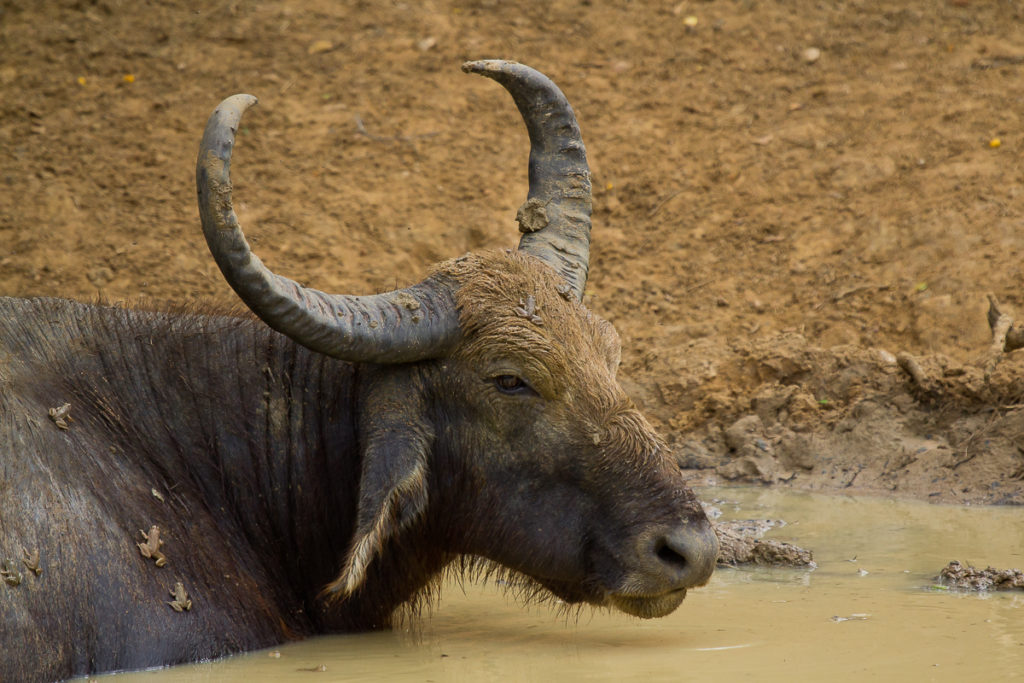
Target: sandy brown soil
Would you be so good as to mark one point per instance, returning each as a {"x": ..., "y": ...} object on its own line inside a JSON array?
[{"x": 773, "y": 226}]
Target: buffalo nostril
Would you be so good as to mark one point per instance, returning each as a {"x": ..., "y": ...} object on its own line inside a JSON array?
[
  {"x": 670, "y": 556},
  {"x": 687, "y": 554}
]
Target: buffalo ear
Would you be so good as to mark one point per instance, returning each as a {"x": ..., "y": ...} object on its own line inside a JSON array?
[{"x": 396, "y": 437}]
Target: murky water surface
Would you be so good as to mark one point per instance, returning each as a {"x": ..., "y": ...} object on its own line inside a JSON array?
[{"x": 835, "y": 623}]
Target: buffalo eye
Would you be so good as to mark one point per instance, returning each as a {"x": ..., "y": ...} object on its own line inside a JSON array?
[{"x": 513, "y": 385}]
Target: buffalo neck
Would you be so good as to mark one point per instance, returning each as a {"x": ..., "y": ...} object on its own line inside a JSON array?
[
  {"x": 240, "y": 444},
  {"x": 231, "y": 417}
]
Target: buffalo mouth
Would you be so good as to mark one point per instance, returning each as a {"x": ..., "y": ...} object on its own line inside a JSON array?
[
  {"x": 648, "y": 606},
  {"x": 642, "y": 606}
]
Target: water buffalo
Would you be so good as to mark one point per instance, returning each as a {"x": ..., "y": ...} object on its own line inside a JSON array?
[{"x": 180, "y": 485}]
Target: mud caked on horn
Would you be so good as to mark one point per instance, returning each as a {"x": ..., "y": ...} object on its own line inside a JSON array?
[
  {"x": 555, "y": 220},
  {"x": 420, "y": 321}
]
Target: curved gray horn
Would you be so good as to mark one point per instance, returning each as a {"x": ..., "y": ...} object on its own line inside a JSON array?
[
  {"x": 404, "y": 325},
  {"x": 555, "y": 220}
]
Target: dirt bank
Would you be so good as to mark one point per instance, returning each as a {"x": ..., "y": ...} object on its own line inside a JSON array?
[{"x": 789, "y": 195}]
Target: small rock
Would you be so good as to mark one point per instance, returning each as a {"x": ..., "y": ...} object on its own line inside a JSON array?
[
  {"x": 759, "y": 467},
  {"x": 319, "y": 46},
  {"x": 745, "y": 430},
  {"x": 886, "y": 357},
  {"x": 692, "y": 455},
  {"x": 811, "y": 55}
]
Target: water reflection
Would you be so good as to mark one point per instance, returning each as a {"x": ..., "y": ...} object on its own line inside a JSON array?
[{"x": 877, "y": 561}]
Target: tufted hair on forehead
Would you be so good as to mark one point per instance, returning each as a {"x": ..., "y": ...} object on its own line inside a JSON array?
[{"x": 509, "y": 295}]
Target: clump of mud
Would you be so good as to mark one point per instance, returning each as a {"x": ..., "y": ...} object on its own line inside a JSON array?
[
  {"x": 956, "y": 575},
  {"x": 740, "y": 543}
]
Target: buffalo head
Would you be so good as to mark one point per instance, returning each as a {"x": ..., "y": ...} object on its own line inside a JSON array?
[{"x": 490, "y": 415}]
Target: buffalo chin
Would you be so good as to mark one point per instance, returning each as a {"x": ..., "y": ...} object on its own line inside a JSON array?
[
  {"x": 648, "y": 606},
  {"x": 643, "y": 606}
]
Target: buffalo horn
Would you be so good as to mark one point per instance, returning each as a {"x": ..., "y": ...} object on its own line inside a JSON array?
[
  {"x": 555, "y": 220},
  {"x": 409, "y": 324}
]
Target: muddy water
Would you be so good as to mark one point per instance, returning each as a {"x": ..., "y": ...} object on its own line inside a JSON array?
[{"x": 835, "y": 623}]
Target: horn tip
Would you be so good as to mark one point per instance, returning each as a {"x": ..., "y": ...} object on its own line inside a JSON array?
[
  {"x": 219, "y": 135},
  {"x": 237, "y": 103},
  {"x": 482, "y": 66}
]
